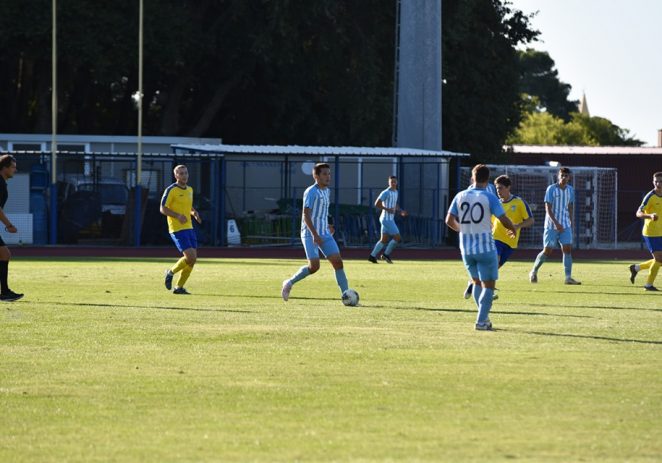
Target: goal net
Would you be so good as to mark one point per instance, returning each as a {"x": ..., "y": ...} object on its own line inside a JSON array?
[{"x": 596, "y": 191}]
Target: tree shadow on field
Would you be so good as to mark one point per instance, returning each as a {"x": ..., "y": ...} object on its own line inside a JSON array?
[
  {"x": 583, "y": 336},
  {"x": 592, "y": 293},
  {"x": 473, "y": 311},
  {"x": 600, "y": 307},
  {"x": 272, "y": 296},
  {"x": 118, "y": 306}
]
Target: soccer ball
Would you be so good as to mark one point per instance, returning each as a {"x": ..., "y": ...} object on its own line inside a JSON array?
[{"x": 350, "y": 298}]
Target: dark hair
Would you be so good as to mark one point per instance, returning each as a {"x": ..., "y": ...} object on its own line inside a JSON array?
[
  {"x": 6, "y": 160},
  {"x": 503, "y": 180},
  {"x": 564, "y": 170},
  {"x": 319, "y": 166},
  {"x": 392, "y": 177},
  {"x": 657, "y": 174},
  {"x": 481, "y": 173}
]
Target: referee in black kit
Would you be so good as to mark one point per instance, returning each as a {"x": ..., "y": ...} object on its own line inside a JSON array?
[{"x": 7, "y": 170}]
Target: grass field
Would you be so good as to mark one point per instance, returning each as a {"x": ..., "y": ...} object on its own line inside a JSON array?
[{"x": 101, "y": 363}]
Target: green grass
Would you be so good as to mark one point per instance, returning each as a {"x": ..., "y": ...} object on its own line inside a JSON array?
[{"x": 101, "y": 363}]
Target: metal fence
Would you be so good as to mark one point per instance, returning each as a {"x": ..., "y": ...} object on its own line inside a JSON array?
[{"x": 94, "y": 198}]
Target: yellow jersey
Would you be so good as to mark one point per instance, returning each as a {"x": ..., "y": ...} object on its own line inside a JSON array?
[
  {"x": 517, "y": 210},
  {"x": 179, "y": 200},
  {"x": 652, "y": 203}
]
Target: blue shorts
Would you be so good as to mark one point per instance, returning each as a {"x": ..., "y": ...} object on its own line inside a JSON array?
[
  {"x": 389, "y": 228},
  {"x": 552, "y": 237},
  {"x": 185, "y": 239},
  {"x": 483, "y": 266},
  {"x": 329, "y": 246},
  {"x": 503, "y": 251},
  {"x": 653, "y": 243}
]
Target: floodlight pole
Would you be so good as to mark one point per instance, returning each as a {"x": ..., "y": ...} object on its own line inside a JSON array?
[
  {"x": 138, "y": 190},
  {"x": 53, "y": 192}
]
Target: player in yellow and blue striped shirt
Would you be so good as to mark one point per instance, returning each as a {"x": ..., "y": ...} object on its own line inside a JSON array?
[
  {"x": 177, "y": 206},
  {"x": 651, "y": 211}
]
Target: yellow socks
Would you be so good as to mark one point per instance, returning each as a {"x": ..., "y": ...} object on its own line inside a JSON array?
[
  {"x": 653, "y": 272},
  {"x": 180, "y": 265},
  {"x": 184, "y": 276},
  {"x": 647, "y": 264}
]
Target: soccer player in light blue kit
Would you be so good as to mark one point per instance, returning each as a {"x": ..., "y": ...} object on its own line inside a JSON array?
[
  {"x": 470, "y": 215},
  {"x": 387, "y": 201},
  {"x": 316, "y": 234},
  {"x": 559, "y": 207}
]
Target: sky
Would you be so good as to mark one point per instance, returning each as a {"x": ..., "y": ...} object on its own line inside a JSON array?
[{"x": 611, "y": 50}]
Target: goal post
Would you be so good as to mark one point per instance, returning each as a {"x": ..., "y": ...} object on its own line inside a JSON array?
[{"x": 596, "y": 203}]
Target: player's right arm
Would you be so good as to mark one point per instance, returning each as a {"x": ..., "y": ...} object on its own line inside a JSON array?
[
  {"x": 641, "y": 212},
  {"x": 307, "y": 219},
  {"x": 165, "y": 210},
  {"x": 8, "y": 225},
  {"x": 552, "y": 217},
  {"x": 452, "y": 216},
  {"x": 506, "y": 222}
]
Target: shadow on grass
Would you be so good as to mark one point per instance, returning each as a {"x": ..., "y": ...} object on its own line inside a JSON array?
[
  {"x": 271, "y": 296},
  {"x": 117, "y": 306},
  {"x": 583, "y": 336},
  {"x": 473, "y": 311},
  {"x": 601, "y": 307},
  {"x": 592, "y": 293}
]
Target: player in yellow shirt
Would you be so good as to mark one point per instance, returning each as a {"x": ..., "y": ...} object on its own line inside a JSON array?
[
  {"x": 518, "y": 211},
  {"x": 651, "y": 211},
  {"x": 177, "y": 206}
]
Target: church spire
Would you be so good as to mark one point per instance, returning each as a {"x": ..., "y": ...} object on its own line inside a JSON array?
[{"x": 583, "y": 106}]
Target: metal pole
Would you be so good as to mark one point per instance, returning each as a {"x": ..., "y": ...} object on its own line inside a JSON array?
[
  {"x": 138, "y": 191},
  {"x": 53, "y": 223}
]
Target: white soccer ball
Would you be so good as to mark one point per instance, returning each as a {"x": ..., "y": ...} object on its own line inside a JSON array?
[{"x": 350, "y": 298}]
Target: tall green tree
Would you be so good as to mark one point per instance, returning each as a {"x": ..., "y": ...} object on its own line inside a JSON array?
[
  {"x": 481, "y": 95},
  {"x": 254, "y": 71},
  {"x": 539, "y": 78}
]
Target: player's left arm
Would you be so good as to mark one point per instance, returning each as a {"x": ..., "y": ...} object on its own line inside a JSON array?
[{"x": 196, "y": 215}]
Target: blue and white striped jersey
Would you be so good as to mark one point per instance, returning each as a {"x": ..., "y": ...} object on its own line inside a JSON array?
[
  {"x": 389, "y": 198},
  {"x": 474, "y": 208},
  {"x": 317, "y": 200},
  {"x": 560, "y": 199}
]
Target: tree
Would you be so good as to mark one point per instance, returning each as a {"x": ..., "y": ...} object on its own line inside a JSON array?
[
  {"x": 254, "y": 71},
  {"x": 539, "y": 78},
  {"x": 543, "y": 128},
  {"x": 481, "y": 95}
]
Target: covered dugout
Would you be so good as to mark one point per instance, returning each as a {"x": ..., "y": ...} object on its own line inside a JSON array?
[{"x": 261, "y": 188}]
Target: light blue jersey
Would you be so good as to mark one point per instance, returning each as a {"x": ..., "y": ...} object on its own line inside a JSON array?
[
  {"x": 559, "y": 199},
  {"x": 317, "y": 200},
  {"x": 474, "y": 208},
  {"x": 389, "y": 198}
]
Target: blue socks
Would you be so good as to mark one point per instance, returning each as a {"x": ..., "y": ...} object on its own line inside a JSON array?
[
  {"x": 391, "y": 246},
  {"x": 300, "y": 275},
  {"x": 540, "y": 259},
  {"x": 478, "y": 289},
  {"x": 485, "y": 304},
  {"x": 341, "y": 278},
  {"x": 567, "y": 265},
  {"x": 378, "y": 247}
]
